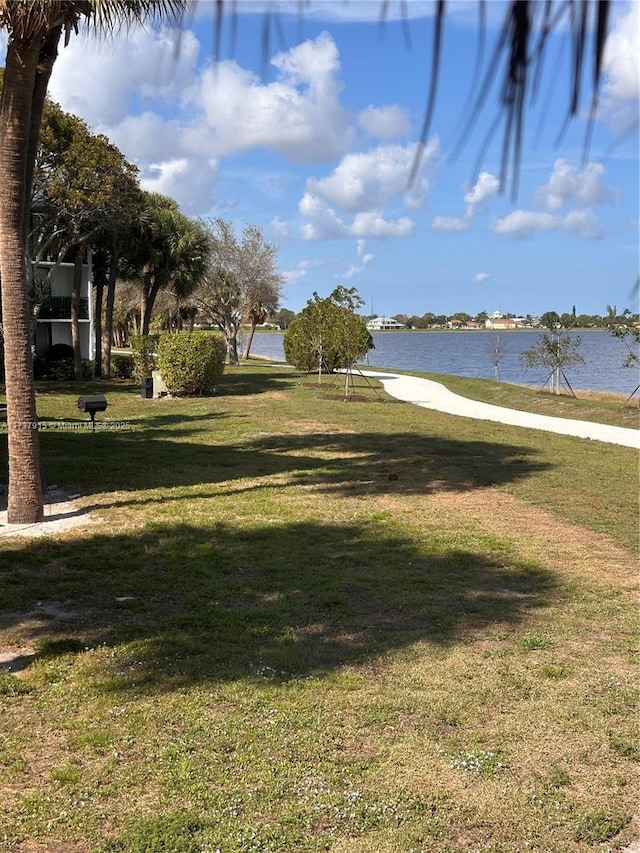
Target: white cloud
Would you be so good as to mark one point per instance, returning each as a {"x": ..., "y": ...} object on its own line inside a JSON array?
[
  {"x": 365, "y": 259},
  {"x": 324, "y": 224},
  {"x": 373, "y": 178},
  {"x": 373, "y": 224},
  {"x": 568, "y": 185},
  {"x": 387, "y": 123},
  {"x": 299, "y": 115},
  {"x": 300, "y": 272},
  {"x": 481, "y": 276},
  {"x": 621, "y": 89},
  {"x": 189, "y": 182},
  {"x": 294, "y": 276},
  {"x": 351, "y": 272},
  {"x": 148, "y": 137},
  {"x": 582, "y": 222},
  {"x": 523, "y": 224},
  {"x": 280, "y": 228},
  {"x": 362, "y": 186},
  {"x": 449, "y": 223},
  {"x": 95, "y": 78},
  {"x": 486, "y": 187}
]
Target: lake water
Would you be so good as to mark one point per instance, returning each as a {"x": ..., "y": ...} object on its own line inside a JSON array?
[{"x": 466, "y": 353}]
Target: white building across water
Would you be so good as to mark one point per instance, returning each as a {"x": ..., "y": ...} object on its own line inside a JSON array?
[{"x": 381, "y": 324}]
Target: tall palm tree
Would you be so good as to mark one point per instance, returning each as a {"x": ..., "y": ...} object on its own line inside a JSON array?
[{"x": 35, "y": 28}]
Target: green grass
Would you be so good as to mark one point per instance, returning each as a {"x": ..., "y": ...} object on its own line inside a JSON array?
[{"x": 301, "y": 624}]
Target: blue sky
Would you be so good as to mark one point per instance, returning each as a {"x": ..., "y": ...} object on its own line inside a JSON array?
[{"x": 314, "y": 142}]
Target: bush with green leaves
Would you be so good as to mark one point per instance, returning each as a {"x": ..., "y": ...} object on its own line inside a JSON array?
[
  {"x": 62, "y": 370},
  {"x": 144, "y": 349},
  {"x": 121, "y": 366},
  {"x": 327, "y": 334},
  {"x": 191, "y": 363}
]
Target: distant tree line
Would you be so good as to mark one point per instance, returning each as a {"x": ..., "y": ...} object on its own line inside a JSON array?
[{"x": 568, "y": 320}]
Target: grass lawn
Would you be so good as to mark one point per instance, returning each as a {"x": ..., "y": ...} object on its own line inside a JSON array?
[{"x": 294, "y": 623}]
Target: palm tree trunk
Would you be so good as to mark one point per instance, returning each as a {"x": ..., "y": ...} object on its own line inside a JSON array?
[
  {"x": 46, "y": 59},
  {"x": 108, "y": 319},
  {"x": 247, "y": 348},
  {"x": 148, "y": 301},
  {"x": 101, "y": 280},
  {"x": 230, "y": 332},
  {"x": 25, "y": 504},
  {"x": 78, "y": 257}
]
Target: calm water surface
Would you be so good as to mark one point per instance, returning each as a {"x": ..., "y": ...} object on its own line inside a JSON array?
[{"x": 467, "y": 354}]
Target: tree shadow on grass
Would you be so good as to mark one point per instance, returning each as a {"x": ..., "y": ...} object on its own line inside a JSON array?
[
  {"x": 180, "y": 604},
  {"x": 254, "y": 379},
  {"x": 334, "y": 463}
]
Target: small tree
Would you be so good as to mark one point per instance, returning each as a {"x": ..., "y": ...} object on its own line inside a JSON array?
[
  {"x": 284, "y": 317},
  {"x": 630, "y": 336},
  {"x": 242, "y": 284},
  {"x": 496, "y": 351},
  {"x": 328, "y": 334},
  {"x": 554, "y": 351}
]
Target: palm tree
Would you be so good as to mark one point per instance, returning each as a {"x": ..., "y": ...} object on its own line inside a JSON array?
[
  {"x": 165, "y": 250},
  {"x": 35, "y": 28}
]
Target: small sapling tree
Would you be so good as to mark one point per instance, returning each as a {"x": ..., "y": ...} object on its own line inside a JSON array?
[
  {"x": 496, "y": 350},
  {"x": 630, "y": 336},
  {"x": 328, "y": 334},
  {"x": 556, "y": 351}
]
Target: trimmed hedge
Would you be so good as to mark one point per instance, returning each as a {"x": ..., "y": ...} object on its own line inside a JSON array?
[
  {"x": 143, "y": 351},
  {"x": 191, "y": 363},
  {"x": 122, "y": 365}
]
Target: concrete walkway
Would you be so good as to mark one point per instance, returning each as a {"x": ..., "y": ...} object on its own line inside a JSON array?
[{"x": 433, "y": 395}]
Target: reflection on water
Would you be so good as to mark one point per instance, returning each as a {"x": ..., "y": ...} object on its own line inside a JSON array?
[{"x": 468, "y": 354}]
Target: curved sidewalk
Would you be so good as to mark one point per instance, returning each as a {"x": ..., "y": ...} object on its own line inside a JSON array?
[{"x": 433, "y": 395}]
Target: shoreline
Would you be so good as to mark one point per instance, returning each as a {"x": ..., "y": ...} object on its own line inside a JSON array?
[
  {"x": 595, "y": 394},
  {"x": 441, "y": 353}
]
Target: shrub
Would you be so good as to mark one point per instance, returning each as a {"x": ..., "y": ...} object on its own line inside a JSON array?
[
  {"x": 88, "y": 368},
  {"x": 327, "y": 333},
  {"x": 191, "y": 362},
  {"x": 121, "y": 366},
  {"x": 59, "y": 370},
  {"x": 144, "y": 350}
]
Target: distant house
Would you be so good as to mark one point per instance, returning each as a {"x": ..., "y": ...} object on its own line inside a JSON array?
[
  {"x": 504, "y": 322},
  {"x": 381, "y": 324},
  {"x": 54, "y": 318}
]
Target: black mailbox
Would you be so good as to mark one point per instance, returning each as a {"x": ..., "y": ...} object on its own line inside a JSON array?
[{"x": 91, "y": 404}]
